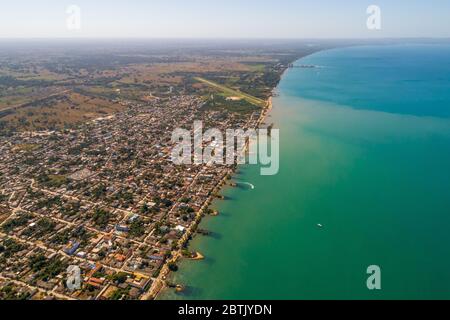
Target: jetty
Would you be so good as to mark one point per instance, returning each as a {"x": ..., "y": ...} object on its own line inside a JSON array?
[{"x": 197, "y": 256}]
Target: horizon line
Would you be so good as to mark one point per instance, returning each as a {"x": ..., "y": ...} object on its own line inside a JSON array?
[{"x": 229, "y": 38}]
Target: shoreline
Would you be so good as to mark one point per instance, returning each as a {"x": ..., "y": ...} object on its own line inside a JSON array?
[{"x": 159, "y": 284}]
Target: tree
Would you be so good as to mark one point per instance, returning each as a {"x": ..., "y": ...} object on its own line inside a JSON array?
[
  {"x": 101, "y": 218},
  {"x": 137, "y": 228},
  {"x": 145, "y": 209},
  {"x": 119, "y": 277},
  {"x": 173, "y": 267}
]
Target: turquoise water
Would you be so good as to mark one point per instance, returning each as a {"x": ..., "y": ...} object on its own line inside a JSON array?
[{"x": 364, "y": 151}]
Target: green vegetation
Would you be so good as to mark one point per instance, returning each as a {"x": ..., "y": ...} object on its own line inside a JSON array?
[
  {"x": 61, "y": 238},
  {"x": 137, "y": 228},
  {"x": 41, "y": 228},
  {"x": 46, "y": 269},
  {"x": 10, "y": 293},
  {"x": 164, "y": 202},
  {"x": 82, "y": 235},
  {"x": 187, "y": 210},
  {"x": 101, "y": 218},
  {"x": 231, "y": 92},
  {"x": 10, "y": 247},
  {"x": 79, "y": 234},
  {"x": 187, "y": 254},
  {"x": 99, "y": 191},
  {"x": 49, "y": 202},
  {"x": 28, "y": 147},
  {"x": 145, "y": 208},
  {"x": 119, "y": 277},
  {"x": 126, "y": 198},
  {"x": 185, "y": 200},
  {"x": 173, "y": 267},
  {"x": 52, "y": 181},
  {"x": 219, "y": 102},
  {"x": 257, "y": 67},
  {"x": 120, "y": 294},
  {"x": 20, "y": 221},
  {"x": 71, "y": 209}
]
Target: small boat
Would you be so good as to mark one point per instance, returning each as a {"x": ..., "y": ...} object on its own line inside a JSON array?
[{"x": 319, "y": 225}]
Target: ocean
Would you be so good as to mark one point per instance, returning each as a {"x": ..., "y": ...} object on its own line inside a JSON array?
[{"x": 365, "y": 153}]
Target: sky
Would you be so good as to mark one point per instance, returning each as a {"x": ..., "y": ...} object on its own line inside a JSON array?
[{"x": 287, "y": 19}]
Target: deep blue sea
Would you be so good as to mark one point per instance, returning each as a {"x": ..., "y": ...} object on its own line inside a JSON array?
[{"x": 405, "y": 79}]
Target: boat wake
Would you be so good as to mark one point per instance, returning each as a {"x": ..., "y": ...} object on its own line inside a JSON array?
[{"x": 249, "y": 184}]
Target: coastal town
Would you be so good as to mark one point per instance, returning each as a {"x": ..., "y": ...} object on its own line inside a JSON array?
[
  {"x": 105, "y": 197},
  {"x": 91, "y": 204},
  {"x": 222, "y": 159}
]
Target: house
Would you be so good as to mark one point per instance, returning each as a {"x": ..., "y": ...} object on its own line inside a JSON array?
[
  {"x": 156, "y": 257},
  {"x": 122, "y": 228},
  {"x": 72, "y": 248},
  {"x": 180, "y": 228}
]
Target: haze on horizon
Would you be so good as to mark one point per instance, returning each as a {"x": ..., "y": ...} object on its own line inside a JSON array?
[{"x": 224, "y": 19}]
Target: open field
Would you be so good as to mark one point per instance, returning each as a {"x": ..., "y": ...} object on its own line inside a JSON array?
[
  {"x": 58, "y": 111},
  {"x": 231, "y": 92},
  {"x": 65, "y": 86},
  {"x": 36, "y": 100}
]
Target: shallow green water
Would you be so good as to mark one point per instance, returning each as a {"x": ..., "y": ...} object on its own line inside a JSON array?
[{"x": 371, "y": 167}]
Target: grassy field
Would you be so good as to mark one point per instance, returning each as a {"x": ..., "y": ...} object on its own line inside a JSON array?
[
  {"x": 27, "y": 147},
  {"x": 231, "y": 92},
  {"x": 58, "y": 111}
]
